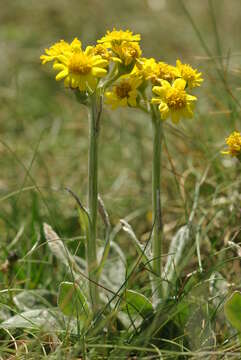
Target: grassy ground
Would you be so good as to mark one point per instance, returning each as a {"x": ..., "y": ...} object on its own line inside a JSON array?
[{"x": 44, "y": 148}]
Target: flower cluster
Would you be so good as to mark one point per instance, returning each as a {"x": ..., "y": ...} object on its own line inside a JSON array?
[
  {"x": 126, "y": 75},
  {"x": 234, "y": 145},
  {"x": 170, "y": 86}
]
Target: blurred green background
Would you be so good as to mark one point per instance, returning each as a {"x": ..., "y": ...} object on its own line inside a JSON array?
[{"x": 44, "y": 131}]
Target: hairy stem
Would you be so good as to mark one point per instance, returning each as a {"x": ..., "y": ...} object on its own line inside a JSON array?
[
  {"x": 95, "y": 112},
  {"x": 156, "y": 206}
]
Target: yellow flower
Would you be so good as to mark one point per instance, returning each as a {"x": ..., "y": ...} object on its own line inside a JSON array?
[
  {"x": 173, "y": 100},
  {"x": 165, "y": 71},
  {"x": 146, "y": 68},
  {"x": 105, "y": 53},
  {"x": 79, "y": 69},
  {"x": 190, "y": 75},
  {"x": 118, "y": 36},
  {"x": 234, "y": 144},
  {"x": 54, "y": 51},
  {"x": 128, "y": 52},
  {"x": 149, "y": 69},
  {"x": 102, "y": 50},
  {"x": 124, "y": 93}
]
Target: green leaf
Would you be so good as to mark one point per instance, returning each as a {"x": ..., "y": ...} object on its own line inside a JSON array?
[
  {"x": 232, "y": 310},
  {"x": 84, "y": 221},
  {"x": 137, "y": 303},
  {"x": 72, "y": 301}
]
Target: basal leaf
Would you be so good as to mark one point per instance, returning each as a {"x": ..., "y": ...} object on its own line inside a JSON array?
[
  {"x": 137, "y": 303},
  {"x": 32, "y": 319},
  {"x": 232, "y": 310},
  {"x": 71, "y": 300}
]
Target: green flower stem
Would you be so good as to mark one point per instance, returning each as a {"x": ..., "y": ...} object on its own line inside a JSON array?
[
  {"x": 95, "y": 112},
  {"x": 157, "y": 237},
  {"x": 111, "y": 78}
]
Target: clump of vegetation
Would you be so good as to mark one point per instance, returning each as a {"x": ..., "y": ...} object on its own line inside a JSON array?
[{"x": 151, "y": 284}]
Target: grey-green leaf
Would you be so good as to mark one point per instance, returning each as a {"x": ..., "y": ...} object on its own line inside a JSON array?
[
  {"x": 72, "y": 301},
  {"x": 58, "y": 249},
  {"x": 181, "y": 249},
  {"x": 33, "y": 299},
  {"x": 114, "y": 269},
  {"x": 36, "y": 319},
  {"x": 232, "y": 310},
  {"x": 56, "y": 245}
]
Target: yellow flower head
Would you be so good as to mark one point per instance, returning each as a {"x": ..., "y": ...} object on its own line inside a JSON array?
[
  {"x": 173, "y": 100},
  {"x": 127, "y": 51},
  {"x": 146, "y": 68},
  {"x": 79, "y": 69},
  {"x": 165, "y": 71},
  {"x": 234, "y": 144},
  {"x": 118, "y": 36},
  {"x": 54, "y": 51},
  {"x": 102, "y": 50},
  {"x": 190, "y": 75},
  {"x": 149, "y": 69},
  {"x": 124, "y": 93}
]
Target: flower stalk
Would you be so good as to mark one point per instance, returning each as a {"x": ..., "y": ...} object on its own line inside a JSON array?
[
  {"x": 91, "y": 247},
  {"x": 115, "y": 69},
  {"x": 157, "y": 237}
]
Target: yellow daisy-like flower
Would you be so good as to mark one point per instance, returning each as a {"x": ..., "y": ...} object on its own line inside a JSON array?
[
  {"x": 234, "y": 144},
  {"x": 79, "y": 69},
  {"x": 118, "y": 36},
  {"x": 190, "y": 75},
  {"x": 102, "y": 50},
  {"x": 149, "y": 69},
  {"x": 127, "y": 51},
  {"x": 54, "y": 51},
  {"x": 105, "y": 53},
  {"x": 145, "y": 68},
  {"x": 165, "y": 71},
  {"x": 124, "y": 93},
  {"x": 173, "y": 100}
]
